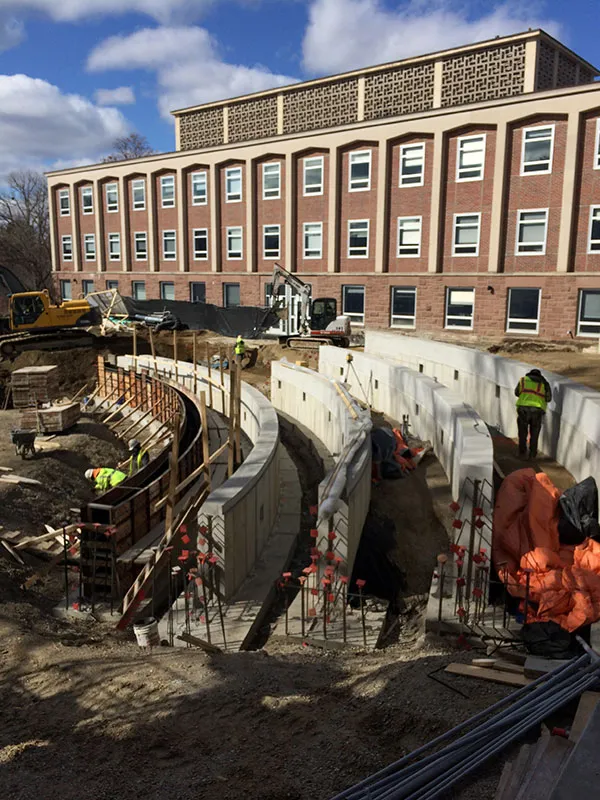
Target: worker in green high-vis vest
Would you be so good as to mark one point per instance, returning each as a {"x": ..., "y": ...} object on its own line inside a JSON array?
[
  {"x": 533, "y": 395},
  {"x": 240, "y": 349}
]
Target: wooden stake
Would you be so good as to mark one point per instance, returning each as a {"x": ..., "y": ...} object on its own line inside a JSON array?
[
  {"x": 231, "y": 437},
  {"x": 195, "y": 359},
  {"x": 223, "y": 407},
  {"x": 173, "y": 480},
  {"x": 205, "y": 442},
  {"x": 208, "y": 357},
  {"x": 135, "y": 352},
  {"x": 238, "y": 413},
  {"x": 152, "y": 349},
  {"x": 175, "y": 356}
]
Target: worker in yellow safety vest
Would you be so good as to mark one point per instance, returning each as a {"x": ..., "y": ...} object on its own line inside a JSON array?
[
  {"x": 138, "y": 459},
  {"x": 105, "y": 478},
  {"x": 240, "y": 349},
  {"x": 533, "y": 395}
]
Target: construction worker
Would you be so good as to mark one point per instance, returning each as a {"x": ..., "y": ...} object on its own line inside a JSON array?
[
  {"x": 240, "y": 349},
  {"x": 105, "y": 478},
  {"x": 533, "y": 395},
  {"x": 138, "y": 458}
]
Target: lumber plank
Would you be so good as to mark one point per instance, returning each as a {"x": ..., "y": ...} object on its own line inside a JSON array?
[
  {"x": 12, "y": 551},
  {"x": 535, "y": 666},
  {"x": 189, "y": 639},
  {"x": 494, "y": 675},
  {"x": 587, "y": 703},
  {"x": 506, "y": 666},
  {"x": 540, "y": 780}
]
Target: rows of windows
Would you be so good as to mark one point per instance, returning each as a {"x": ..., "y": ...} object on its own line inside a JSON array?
[{"x": 197, "y": 289}]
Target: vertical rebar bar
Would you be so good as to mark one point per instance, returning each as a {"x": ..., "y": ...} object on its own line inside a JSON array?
[
  {"x": 64, "y": 532},
  {"x": 344, "y": 612},
  {"x": 476, "y": 485},
  {"x": 362, "y": 616},
  {"x": 527, "y": 587},
  {"x": 302, "y": 622}
]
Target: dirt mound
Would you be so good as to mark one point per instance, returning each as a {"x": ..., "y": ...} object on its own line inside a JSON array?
[{"x": 75, "y": 366}]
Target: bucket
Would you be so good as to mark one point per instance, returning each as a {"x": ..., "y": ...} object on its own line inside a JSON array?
[{"x": 146, "y": 632}]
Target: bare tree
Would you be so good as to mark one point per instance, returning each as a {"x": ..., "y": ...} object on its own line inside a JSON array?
[
  {"x": 132, "y": 146},
  {"x": 25, "y": 229}
]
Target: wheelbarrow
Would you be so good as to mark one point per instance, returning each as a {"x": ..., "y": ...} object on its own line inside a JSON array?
[{"x": 24, "y": 442}]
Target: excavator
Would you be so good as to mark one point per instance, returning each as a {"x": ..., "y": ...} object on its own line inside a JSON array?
[{"x": 319, "y": 320}]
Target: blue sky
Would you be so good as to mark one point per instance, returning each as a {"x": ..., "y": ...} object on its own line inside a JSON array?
[{"x": 61, "y": 61}]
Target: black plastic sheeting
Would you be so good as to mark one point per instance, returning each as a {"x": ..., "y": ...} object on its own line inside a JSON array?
[
  {"x": 247, "y": 321},
  {"x": 578, "y": 508},
  {"x": 376, "y": 563}
]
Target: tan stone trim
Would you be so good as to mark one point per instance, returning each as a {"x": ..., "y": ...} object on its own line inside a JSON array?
[
  {"x": 360, "y": 111},
  {"x": 182, "y": 233},
  {"x": 125, "y": 231},
  {"x": 436, "y": 202},
  {"x": 215, "y": 222},
  {"x": 54, "y": 252},
  {"x": 566, "y": 233},
  {"x": 279, "y": 114},
  {"x": 381, "y": 221},
  {"x": 76, "y": 229},
  {"x": 497, "y": 198},
  {"x": 248, "y": 195},
  {"x": 438, "y": 76},
  {"x": 290, "y": 227},
  {"x": 152, "y": 228},
  {"x": 225, "y": 124},
  {"x": 332, "y": 223},
  {"x": 531, "y": 57},
  {"x": 101, "y": 245}
]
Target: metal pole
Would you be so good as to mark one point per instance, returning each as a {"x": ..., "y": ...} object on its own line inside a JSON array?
[
  {"x": 175, "y": 356},
  {"x": 231, "y": 451},
  {"x": 67, "y": 568},
  {"x": 209, "y": 367}
]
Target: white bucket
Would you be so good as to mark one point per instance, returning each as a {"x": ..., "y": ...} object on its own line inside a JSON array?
[{"x": 146, "y": 632}]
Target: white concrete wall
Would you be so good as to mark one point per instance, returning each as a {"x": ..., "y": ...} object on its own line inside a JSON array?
[
  {"x": 343, "y": 427},
  {"x": 571, "y": 431},
  {"x": 459, "y": 437}
]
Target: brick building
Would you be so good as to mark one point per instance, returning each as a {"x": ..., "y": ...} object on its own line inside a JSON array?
[{"x": 454, "y": 193}]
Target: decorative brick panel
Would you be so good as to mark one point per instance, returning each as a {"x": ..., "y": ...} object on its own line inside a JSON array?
[
  {"x": 393, "y": 92},
  {"x": 567, "y": 71},
  {"x": 203, "y": 128},
  {"x": 484, "y": 75},
  {"x": 253, "y": 119},
  {"x": 324, "y": 106},
  {"x": 545, "y": 67}
]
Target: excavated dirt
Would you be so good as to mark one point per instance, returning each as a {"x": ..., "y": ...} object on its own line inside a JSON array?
[{"x": 580, "y": 367}]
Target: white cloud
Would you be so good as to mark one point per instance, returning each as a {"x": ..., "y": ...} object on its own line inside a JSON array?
[
  {"x": 12, "y": 31},
  {"x": 39, "y": 125},
  {"x": 188, "y": 66},
  {"x": 347, "y": 34},
  {"x": 122, "y": 96},
  {"x": 73, "y": 10}
]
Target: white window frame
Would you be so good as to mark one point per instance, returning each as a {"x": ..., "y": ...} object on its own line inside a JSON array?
[
  {"x": 87, "y": 191},
  {"x": 229, "y": 235},
  {"x": 89, "y": 237},
  {"x": 306, "y": 166},
  {"x": 447, "y": 323},
  {"x": 408, "y": 290},
  {"x": 112, "y": 207},
  {"x": 140, "y": 236},
  {"x": 516, "y": 320},
  {"x": 233, "y": 197},
  {"x": 362, "y": 222},
  {"x": 547, "y": 171},
  {"x": 352, "y": 314},
  {"x": 169, "y": 235},
  {"x": 161, "y": 286},
  {"x": 268, "y": 255},
  {"x": 167, "y": 180},
  {"x": 64, "y": 283},
  {"x": 581, "y": 322},
  {"x": 134, "y": 284},
  {"x": 200, "y": 231},
  {"x": 304, "y": 248},
  {"x": 459, "y": 144},
  {"x": 62, "y": 194},
  {"x": 201, "y": 179},
  {"x": 521, "y": 211},
  {"x": 85, "y": 286},
  {"x": 590, "y": 249},
  {"x": 352, "y": 187},
  {"x": 455, "y": 225},
  {"x": 62, "y": 247},
  {"x": 407, "y": 181},
  {"x": 597, "y": 150},
  {"x": 137, "y": 185},
  {"x": 275, "y": 167},
  {"x": 399, "y": 222},
  {"x": 112, "y": 237},
  {"x": 225, "y": 286}
]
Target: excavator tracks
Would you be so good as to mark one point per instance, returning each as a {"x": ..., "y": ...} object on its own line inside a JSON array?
[{"x": 12, "y": 344}]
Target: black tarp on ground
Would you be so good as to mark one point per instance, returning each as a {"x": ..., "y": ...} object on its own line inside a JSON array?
[
  {"x": 248, "y": 321},
  {"x": 578, "y": 508}
]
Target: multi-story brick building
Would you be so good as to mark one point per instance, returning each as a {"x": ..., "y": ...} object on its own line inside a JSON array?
[{"x": 456, "y": 192}]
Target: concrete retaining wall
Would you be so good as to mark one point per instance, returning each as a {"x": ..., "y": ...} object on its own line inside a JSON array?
[
  {"x": 327, "y": 410},
  {"x": 571, "y": 431},
  {"x": 460, "y": 438}
]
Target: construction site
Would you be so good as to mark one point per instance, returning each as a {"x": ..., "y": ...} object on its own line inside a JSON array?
[{"x": 250, "y": 567}]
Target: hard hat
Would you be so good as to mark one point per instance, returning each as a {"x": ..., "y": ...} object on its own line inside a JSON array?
[
  {"x": 239, "y": 337},
  {"x": 133, "y": 444},
  {"x": 89, "y": 474}
]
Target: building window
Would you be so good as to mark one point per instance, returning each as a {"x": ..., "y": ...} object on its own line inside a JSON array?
[
  {"x": 138, "y": 289},
  {"x": 271, "y": 181},
  {"x": 594, "y": 240},
  {"x": 271, "y": 241},
  {"x": 110, "y": 285},
  {"x": 459, "y": 308},
  {"x": 167, "y": 290},
  {"x": 138, "y": 190},
  {"x": 114, "y": 246},
  {"x": 199, "y": 189},
  {"x": 169, "y": 245},
  {"x": 404, "y": 307},
  {"x": 358, "y": 238},
  {"x": 235, "y": 244},
  {"x": 233, "y": 185},
  {"x": 466, "y": 234},
  {"x": 112, "y": 197},
  {"x": 313, "y": 240},
  {"x": 167, "y": 191},
  {"x": 589, "y": 313},
  {"x": 360, "y": 171},
  {"x": 523, "y": 314},
  {"x": 65, "y": 290},
  {"x": 409, "y": 237},
  {"x": 353, "y": 303},
  {"x": 313, "y": 175},
  {"x": 141, "y": 246},
  {"x": 470, "y": 158},
  {"x": 231, "y": 295},
  {"x": 197, "y": 292},
  {"x": 200, "y": 244},
  {"x": 64, "y": 202},
  {"x": 87, "y": 200},
  {"x": 87, "y": 287},
  {"x": 412, "y": 164},
  {"x": 538, "y": 145},
  {"x": 531, "y": 232},
  {"x": 89, "y": 243},
  {"x": 67, "y": 248}
]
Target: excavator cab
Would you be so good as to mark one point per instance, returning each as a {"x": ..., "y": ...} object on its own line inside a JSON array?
[
  {"x": 26, "y": 309},
  {"x": 323, "y": 312},
  {"x": 35, "y": 311}
]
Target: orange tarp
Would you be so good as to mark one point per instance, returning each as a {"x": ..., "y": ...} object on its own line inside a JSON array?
[{"x": 564, "y": 580}]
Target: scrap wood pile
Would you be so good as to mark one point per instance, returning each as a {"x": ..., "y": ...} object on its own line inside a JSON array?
[{"x": 35, "y": 391}]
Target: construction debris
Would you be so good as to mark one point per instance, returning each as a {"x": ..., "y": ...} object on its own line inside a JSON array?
[
  {"x": 34, "y": 385},
  {"x": 55, "y": 419}
]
